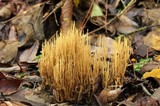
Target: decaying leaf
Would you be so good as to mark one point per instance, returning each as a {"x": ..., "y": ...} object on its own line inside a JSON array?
[
  {"x": 20, "y": 96},
  {"x": 29, "y": 54},
  {"x": 107, "y": 96},
  {"x": 156, "y": 95},
  {"x": 152, "y": 39},
  {"x": 6, "y": 11},
  {"x": 108, "y": 42},
  {"x": 125, "y": 20},
  {"x": 29, "y": 25},
  {"x": 151, "y": 16},
  {"x": 149, "y": 66},
  {"x": 9, "y": 86},
  {"x": 142, "y": 50},
  {"x": 125, "y": 25},
  {"x": 8, "y": 50}
]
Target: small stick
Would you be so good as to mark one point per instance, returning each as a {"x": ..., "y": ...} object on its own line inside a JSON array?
[{"x": 113, "y": 19}]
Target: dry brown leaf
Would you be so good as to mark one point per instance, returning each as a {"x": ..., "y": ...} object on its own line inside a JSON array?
[
  {"x": 7, "y": 10},
  {"x": 127, "y": 21},
  {"x": 142, "y": 50},
  {"x": 151, "y": 16},
  {"x": 10, "y": 86},
  {"x": 149, "y": 66},
  {"x": 156, "y": 95},
  {"x": 152, "y": 39},
  {"x": 107, "y": 96},
  {"x": 29, "y": 25},
  {"x": 109, "y": 43},
  {"x": 8, "y": 50},
  {"x": 20, "y": 96},
  {"x": 125, "y": 29},
  {"x": 125, "y": 25},
  {"x": 98, "y": 20},
  {"x": 29, "y": 54}
]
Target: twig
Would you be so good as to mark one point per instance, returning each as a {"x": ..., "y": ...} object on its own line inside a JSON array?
[
  {"x": 143, "y": 28},
  {"x": 87, "y": 17},
  {"x": 97, "y": 100},
  {"x": 56, "y": 7},
  {"x": 113, "y": 19},
  {"x": 106, "y": 19},
  {"x": 145, "y": 90}
]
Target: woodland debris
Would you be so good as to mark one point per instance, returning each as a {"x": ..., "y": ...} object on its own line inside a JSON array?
[
  {"x": 29, "y": 25},
  {"x": 8, "y": 50},
  {"x": 11, "y": 69}
]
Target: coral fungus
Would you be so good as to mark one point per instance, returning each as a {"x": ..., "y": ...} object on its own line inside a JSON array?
[{"x": 68, "y": 66}]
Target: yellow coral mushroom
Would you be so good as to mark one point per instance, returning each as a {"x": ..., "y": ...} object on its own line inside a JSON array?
[{"x": 68, "y": 66}]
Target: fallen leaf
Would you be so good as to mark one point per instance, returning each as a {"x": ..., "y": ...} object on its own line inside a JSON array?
[
  {"x": 8, "y": 50},
  {"x": 33, "y": 78},
  {"x": 29, "y": 25},
  {"x": 29, "y": 54},
  {"x": 156, "y": 94},
  {"x": 149, "y": 66},
  {"x": 127, "y": 21},
  {"x": 20, "y": 96},
  {"x": 108, "y": 42},
  {"x": 142, "y": 50},
  {"x": 151, "y": 16},
  {"x": 152, "y": 39},
  {"x": 6, "y": 11},
  {"x": 125, "y": 25},
  {"x": 125, "y": 29},
  {"x": 96, "y": 11},
  {"x": 107, "y": 96},
  {"x": 9, "y": 86}
]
